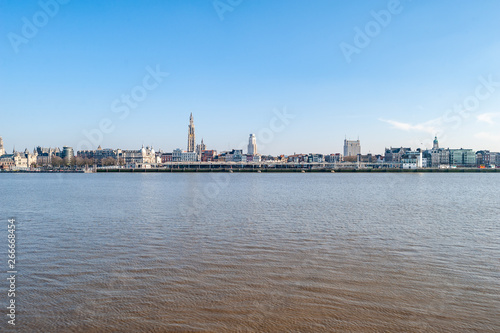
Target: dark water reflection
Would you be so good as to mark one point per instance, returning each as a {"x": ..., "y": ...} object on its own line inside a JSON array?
[{"x": 256, "y": 252}]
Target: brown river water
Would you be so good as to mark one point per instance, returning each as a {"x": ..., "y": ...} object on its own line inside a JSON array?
[{"x": 254, "y": 252}]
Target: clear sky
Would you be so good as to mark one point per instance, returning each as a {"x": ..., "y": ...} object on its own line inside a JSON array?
[{"x": 391, "y": 74}]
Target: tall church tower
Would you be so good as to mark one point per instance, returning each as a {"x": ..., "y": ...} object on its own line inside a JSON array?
[{"x": 191, "y": 138}]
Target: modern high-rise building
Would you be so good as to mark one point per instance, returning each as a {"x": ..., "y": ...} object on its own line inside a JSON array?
[
  {"x": 352, "y": 148},
  {"x": 252, "y": 145},
  {"x": 68, "y": 155},
  {"x": 2, "y": 150},
  {"x": 191, "y": 137}
]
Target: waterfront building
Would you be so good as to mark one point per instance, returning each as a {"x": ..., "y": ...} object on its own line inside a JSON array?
[
  {"x": 179, "y": 155},
  {"x": 393, "y": 155},
  {"x": 486, "y": 158},
  {"x": 44, "y": 155},
  {"x": 208, "y": 155},
  {"x": 462, "y": 157},
  {"x": 352, "y": 147},
  {"x": 297, "y": 158},
  {"x": 20, "y": 161},
  {"x": 137, "y": 158},
  {"x": 67, "y": 155},
  {"x": 334, "y": 158},
  {"x": 236, "y": 155},
  {"x": 315, "y": 158},
  {"x": 413, "y": 160},
  {"x": 98, "y": 154},
  {"x": 252, "y": 145},
  {"x": 166, "y": 157},
  {"x": 6, "y": 162},
  {"x": 191, "y": 135},
  {"x": 253, "y": 158}
]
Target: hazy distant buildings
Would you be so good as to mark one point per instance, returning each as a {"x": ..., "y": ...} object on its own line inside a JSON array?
[
  {"x": 191, "y": 136},
  {"x": 352, "y": 147},
  {"x": 252, "y": 145}
]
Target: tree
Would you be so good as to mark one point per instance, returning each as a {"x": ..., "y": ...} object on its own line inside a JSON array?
[
  {"x": 108, "y": 161},
  {"x": 350, "y": 159},
  {"x": 57, "y": 161},
  {"x": 79, "y": 161}
]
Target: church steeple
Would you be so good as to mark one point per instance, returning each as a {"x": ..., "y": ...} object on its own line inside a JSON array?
[{"x": 191, "y": 136}]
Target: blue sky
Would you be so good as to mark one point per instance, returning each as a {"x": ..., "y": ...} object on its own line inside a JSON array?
[{"x": 428, "y": 68}]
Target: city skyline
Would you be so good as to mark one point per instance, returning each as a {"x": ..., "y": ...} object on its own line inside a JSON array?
[
  {"x": 350, "y": 147},
  {"x": 142, "y": 67}
]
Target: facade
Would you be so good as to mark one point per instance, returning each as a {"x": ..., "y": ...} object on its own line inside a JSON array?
[
  {"x": 487, "y": 158},
  {"x": 462, "y": 157},
  {"x": 98, "y": 154},
  {"x": 137, "y": 157},
  {"x": 334, "y": 158},
  {"x": 208, "y": 155},
  {"x": 166, "y": 158},
  {"x": 253, "y": 158},
  {"x": 352, "y": 148},
  {"x": 44, "y": 155},
  {"x": 191, "y": 136},
  {"x": 393, "y": 155},
  {"x": 67, "y": 155},
  {"x": 184, "y": 156},
  {"x": 315, "y": 158},
  {"x": 413, "y": 160},
  {"x": 252, "y": 145},
  {"x": 236, "y": 155}
]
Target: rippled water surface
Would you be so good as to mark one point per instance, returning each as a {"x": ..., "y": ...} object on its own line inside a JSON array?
[{"x": 254, "y": 252}]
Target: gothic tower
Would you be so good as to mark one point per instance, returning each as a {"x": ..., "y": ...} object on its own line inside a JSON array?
[{"x": 191, "y": 138}]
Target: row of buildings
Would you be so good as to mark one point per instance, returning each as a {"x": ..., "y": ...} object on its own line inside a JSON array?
[{"x": 147, "y": 157}]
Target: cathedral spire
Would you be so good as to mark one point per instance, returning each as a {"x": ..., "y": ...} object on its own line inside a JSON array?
[{"x": 191, "y": 136}]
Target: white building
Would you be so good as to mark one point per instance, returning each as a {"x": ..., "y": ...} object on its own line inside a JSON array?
[
  {"x": 252, "y": 145},
  {"x": 137, "y": 157},
  {"x": 184, "y": 156},
  {"x": 352, "y": 147}
]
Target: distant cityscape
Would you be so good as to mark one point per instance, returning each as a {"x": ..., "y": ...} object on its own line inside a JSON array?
[{"x": 145, "y": 158}]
